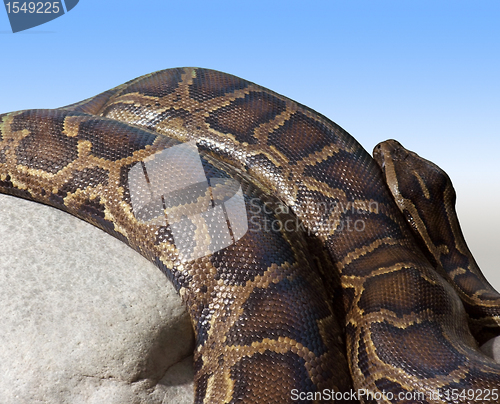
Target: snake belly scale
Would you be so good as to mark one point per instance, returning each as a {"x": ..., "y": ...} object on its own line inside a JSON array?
[{"x": 343, "y": 300}]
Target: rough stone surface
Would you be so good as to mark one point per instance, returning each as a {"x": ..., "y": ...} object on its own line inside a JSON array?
[
  {"x": 84, "y": 318},
  {"x": 492, "y": 348}
]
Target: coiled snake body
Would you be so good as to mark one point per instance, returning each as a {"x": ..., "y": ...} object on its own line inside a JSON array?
[{"x": 278, "y": 230}]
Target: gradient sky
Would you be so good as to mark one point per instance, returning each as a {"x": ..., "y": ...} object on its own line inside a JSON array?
[{"x": 425, "y": 73}]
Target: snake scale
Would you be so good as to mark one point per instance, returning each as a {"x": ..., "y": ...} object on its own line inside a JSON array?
[{"x": 302, "y": 278}]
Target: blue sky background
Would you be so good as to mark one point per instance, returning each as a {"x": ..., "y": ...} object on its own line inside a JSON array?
[{"x": 423, "y": 72}]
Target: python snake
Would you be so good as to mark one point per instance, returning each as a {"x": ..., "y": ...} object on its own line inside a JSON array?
[
  {"x": 425, "y": 195},
  {"x": 299, "y": 272}
]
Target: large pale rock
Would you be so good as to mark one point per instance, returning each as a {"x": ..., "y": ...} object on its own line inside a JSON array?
[
  {"x": 84, "y": 318},
  {"x": 492, "y": 348}
]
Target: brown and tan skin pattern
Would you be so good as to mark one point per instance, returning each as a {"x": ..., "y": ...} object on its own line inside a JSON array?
[
  {"x": 405, "y": 328},
  {"x": 425, "y": 195},
  {"x": 258, "y": 307}
]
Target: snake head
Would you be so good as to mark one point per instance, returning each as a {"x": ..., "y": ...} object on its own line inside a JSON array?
[
  {"x": 422, "y": 190},
  {"x": 389, "y": 151},
  {"x": 410, "y": 176},
  {"x": 391, "y": 156}
]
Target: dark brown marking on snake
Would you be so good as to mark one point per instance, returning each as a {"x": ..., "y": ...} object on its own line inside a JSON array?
[
  {"x": 362, "y": 355},
  {"x": 113, "y": 140},
  {"x": 292, "y": 297},
  {"x": 392, "y": 344},
  {"x": 373, "y": 227},
  {"x": 342, "y": 167},
  {"x": 391, "y": 292},
  {"x": 364, "y": 265},
  {"x": 302, "y": 132},
  {"x": 471, "y": 282},
  {"x": 255, "y": 109},
  {"x": 459, "y": 260},
  {"x": 265, "y": 370},
  {"x": 88, "y": 177},
  {"x": 209, "y": 84},
  {"x": 158, "y": 84},
  {"x": 257, "y": 261},
  {"x": 51, "y": 158}
]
